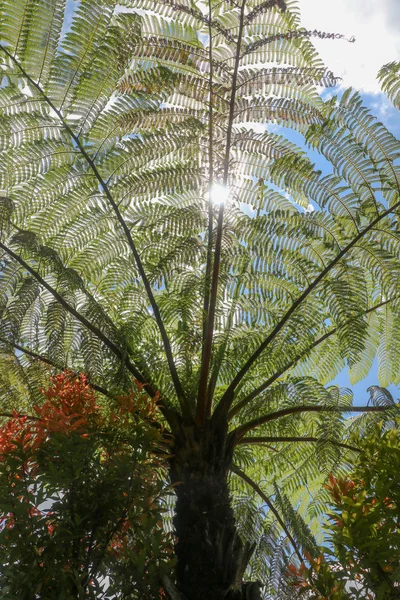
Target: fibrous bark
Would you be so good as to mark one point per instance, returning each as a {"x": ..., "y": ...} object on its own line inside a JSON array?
[{"x": 211, "y": 557}]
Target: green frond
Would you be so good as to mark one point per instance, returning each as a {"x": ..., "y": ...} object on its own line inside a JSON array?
[
  {"x": 388, "y": 353},
  {"x": 299, "y": 528},
  {"x": 389, "y": 77},
  {"x": 187, "y": 13},
  {"x": 21, "y": 380}
]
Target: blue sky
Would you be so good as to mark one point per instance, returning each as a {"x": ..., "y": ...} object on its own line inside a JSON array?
[
  {"x": 376, "y": 27},
  {"x": 360, "y": 389},
  {"x": 389, "y": 116}
]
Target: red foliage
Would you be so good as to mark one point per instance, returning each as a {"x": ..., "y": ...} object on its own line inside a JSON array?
[
  {"x": 12, "y": 434},
  {"x": 41, "y": 452},
  {"x": 339, "y": 487},
  {"x": 70, "y": 405}
]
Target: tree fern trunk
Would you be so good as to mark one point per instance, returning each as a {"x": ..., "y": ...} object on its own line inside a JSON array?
[{"x": 211, "y": 556}]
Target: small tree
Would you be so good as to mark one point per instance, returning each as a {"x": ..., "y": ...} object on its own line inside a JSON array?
[
  {"x": 365, "y": 527},
  {"x": 81, "y": 498},
  {"x": 363, "y": 557}
]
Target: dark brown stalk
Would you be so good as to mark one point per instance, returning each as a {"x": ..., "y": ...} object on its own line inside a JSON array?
[
  {"x": 238, "y": 433},
  {"x": 206, "y": 304},
  {"x": 268, "y": 440},
  {"x": 201, "y": 411}
]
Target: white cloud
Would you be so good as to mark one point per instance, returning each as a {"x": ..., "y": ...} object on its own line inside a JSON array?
[
  {"x": 382, "y": 108},
  {"x": 375, "y": 26}
]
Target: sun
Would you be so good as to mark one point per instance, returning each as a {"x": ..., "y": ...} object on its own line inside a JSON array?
[{"x": 219, "y": 193}]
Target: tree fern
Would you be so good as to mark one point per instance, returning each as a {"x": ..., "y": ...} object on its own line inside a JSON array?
[{"x": 118, "y": 121}]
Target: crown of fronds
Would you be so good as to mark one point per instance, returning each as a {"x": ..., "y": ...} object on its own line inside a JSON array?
[{"x": 116, "y": 119}]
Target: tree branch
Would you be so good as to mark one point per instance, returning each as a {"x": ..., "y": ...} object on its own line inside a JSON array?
[
  {"x": 125, "y": 228},
  {"x": 268, "y": 502},
  {"x": 238, "y": 407},
  {"x": 46, "y": 360},
  {"x": 240, "y": 431},
  {"x": 267, "y": 440},
  {"x": 201, "y": 411},
  {"x": 228, "y": 397},
  {"x": 18, "y": 415},
  {"x": 206, "y": 304}
]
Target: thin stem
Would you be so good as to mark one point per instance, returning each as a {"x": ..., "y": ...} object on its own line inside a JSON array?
[
  {"x": 267, "y": 440},
  {"x": 241, "y": 431},
  {"x": 206, "y": 303},
  {"x": 7, "y": 415},
  {"x": 228, "y": 397},
  {"x": 221, "y": 351},
  {"x": 201, "y": 412},
  {"x": 46, "y": 360},
  {"x": 238, "y": 407},
  {"x": 272, "y": 508},
  {"x": 125, "y": 228}
]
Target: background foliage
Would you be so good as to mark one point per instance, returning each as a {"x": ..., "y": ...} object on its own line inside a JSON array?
[
  {"x": 362, "y": 559},
  {"x": 81, "y": 498}
]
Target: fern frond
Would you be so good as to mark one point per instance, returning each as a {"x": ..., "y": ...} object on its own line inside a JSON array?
[{"x": 389, "y": 77}]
